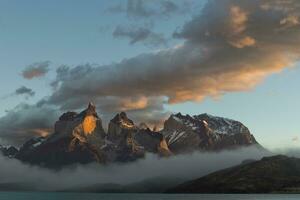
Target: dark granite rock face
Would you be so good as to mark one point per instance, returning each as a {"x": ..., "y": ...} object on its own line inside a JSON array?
[
  {"x": 9, "y": 151},
  {"x": 204, "y": 132},
  {"x": 78, "y": 138},
  {"x": 153, "y": 142},
  {"x": 68, "y": 116},
  {"x": 120, "y": 128},
  {"x": 122, "y": 131}
]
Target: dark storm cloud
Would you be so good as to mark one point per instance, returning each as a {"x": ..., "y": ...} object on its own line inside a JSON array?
[
  {"x": 24, "y": 91},
  {"x": 36, "y": 70},
  {"x": 25, "y": 121},
  {"x": 140, "y": 34}
]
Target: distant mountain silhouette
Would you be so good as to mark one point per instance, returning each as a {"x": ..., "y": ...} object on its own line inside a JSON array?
[{"x": 276, "y": 174}]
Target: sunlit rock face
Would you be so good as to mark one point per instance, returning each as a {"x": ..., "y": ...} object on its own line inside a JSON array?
[
  {"x": 89, "y": 125},
  {"x": 78, "y": 138},
  {"x": 85, "y": 129},
  {"x": 186, "y": 133}
]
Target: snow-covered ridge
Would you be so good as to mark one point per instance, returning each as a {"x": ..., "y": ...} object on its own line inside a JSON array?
[
  {"x": 218, "y": 125},
  {"x": 185, "y": 133}
]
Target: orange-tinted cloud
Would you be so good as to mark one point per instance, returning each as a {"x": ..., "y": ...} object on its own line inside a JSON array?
[
  {"x": 36, "y": 70},
  {"x": 231, "y": 46},
  {"x": 132, "y": 104},
  {"x": 243, "y": 42},
  {"x": 42, "y": 132}
]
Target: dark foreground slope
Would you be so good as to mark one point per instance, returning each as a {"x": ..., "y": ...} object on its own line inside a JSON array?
[{"x": 268, "y": 175}]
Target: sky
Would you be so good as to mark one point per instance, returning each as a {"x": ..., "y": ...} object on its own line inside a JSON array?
[{"x": 236, "y": 59}]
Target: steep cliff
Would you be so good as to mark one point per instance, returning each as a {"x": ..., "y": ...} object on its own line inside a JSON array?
[
  {"x": 185, "y": 133},
  {"x": 78, "y": 138}
]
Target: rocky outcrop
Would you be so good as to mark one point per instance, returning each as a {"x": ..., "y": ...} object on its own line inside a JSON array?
[
  {"x": 78, "y": 138},
  {"x": 8, "y": 151},
  {"x": 85, "y": 129},
  {"x": 204, "y": 132},
  {"x": 134, "y": 141},
  {"x": 120, "y": 128},
  {"x": 122, "y": 131},
  {"x": 153, "y": 142}
]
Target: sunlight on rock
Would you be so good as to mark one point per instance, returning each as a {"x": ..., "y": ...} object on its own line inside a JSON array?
[{"x": 89, "y": 124}]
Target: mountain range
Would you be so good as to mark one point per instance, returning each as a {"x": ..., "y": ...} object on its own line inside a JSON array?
[{"x": 80, "y": 138}]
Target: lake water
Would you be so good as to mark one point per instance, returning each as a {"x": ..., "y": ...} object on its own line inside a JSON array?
[{"x": 81, "y": 196}]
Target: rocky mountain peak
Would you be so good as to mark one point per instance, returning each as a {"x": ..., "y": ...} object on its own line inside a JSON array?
[
  {"x": 84, "y": 123},
  {"x": 122, "y": 131},
  {"x": 120, "y": 127},
  {"x": 123, "y": 121},
  {"x": 206, "y": 132},
  {"x": 91, "y": 109},
  {"x": 8, "y": 151},
  {"x": 80, "y": 138},
  {"x": 76, "y": 138},
  {"x": 222, "y": 125}
]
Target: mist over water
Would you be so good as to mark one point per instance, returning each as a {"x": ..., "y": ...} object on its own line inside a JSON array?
[{"x": 187, "y": 167}]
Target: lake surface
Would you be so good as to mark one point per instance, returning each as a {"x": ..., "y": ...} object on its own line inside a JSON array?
[{"x": 88, "y": 196}]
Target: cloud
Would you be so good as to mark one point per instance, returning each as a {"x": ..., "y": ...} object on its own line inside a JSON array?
[
  {"x": 184, "y": 167},
  {"x": 290, "y": 20},
  {"x": 24, "y": 91},
  {"x": 142, "y": 9},
  {"x": 243, "y": 42},
  {"x": 36, "y": 70},
  {"x": 149, "y": 12},
  {"x": 140, "y": 34},
  {"x": 26, "y": 121},
  {"x": 293, "y": 152},
  {"x": 207, "y": 64},
  {"x": 295, "y": 139},
  {"x": 138, "y": 8},
  {"x": 230, "y": 46}
]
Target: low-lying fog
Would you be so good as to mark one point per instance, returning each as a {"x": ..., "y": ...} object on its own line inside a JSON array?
[{"x": 184, "y": 166}]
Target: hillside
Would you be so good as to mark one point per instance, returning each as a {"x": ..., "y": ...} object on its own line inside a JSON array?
[{"x": 276, "y": 174}]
